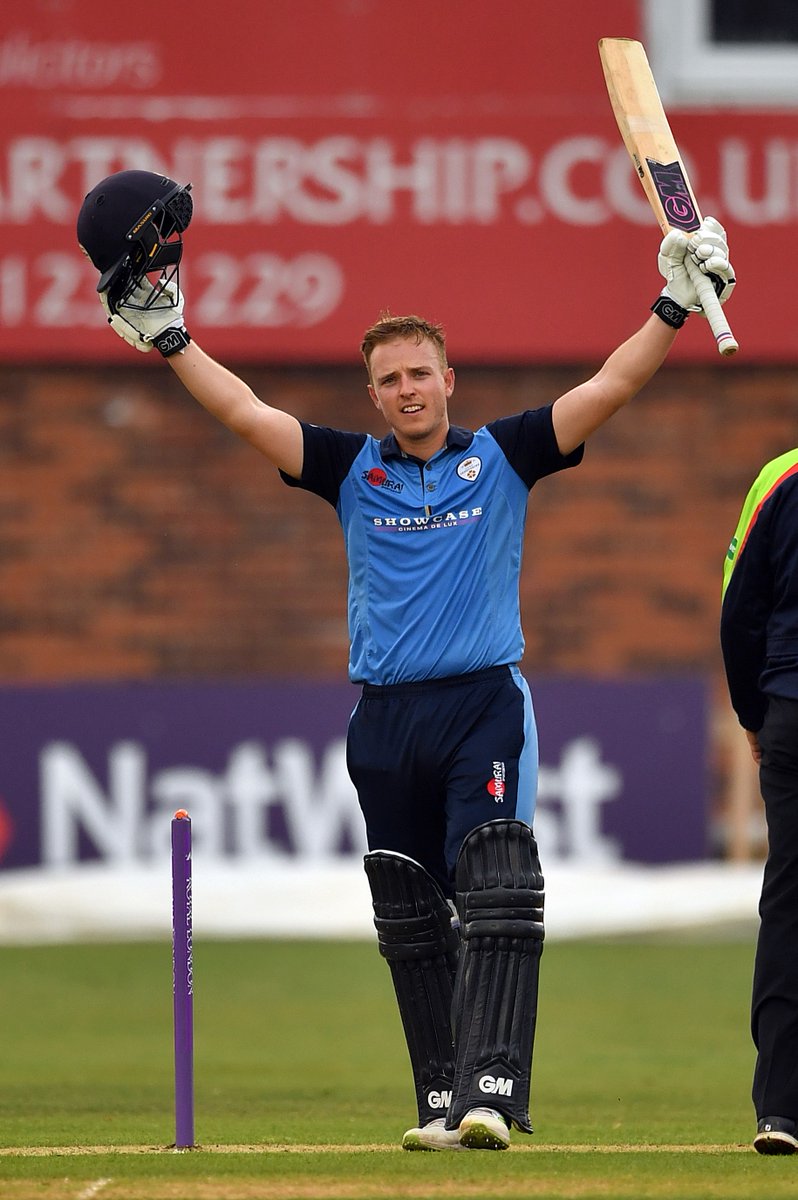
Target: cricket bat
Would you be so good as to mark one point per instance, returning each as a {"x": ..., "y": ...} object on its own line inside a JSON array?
[{"x": 647, "y": 136}]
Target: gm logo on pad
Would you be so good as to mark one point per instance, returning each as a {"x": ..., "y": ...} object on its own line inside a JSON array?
[{"x": 495, "y": 1085}]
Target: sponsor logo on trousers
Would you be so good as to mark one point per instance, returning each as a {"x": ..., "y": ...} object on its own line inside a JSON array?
[
  {"x": 496, "y": 1085},
  {"x": 497, "y": 785}
]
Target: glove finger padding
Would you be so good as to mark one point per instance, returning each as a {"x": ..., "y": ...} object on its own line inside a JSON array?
[
  {"x": 120, "y": 326},
  {"x": 709, "y": 250},
  {"x": 670, "y": 261},
  {"x": 128, "y": 334},
  {"x": 152, "y": 309},
  {"x": 711, "y": 230},
  {"x": 151, "y": 315}
]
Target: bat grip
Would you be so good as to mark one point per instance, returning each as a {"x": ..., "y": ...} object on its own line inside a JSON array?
[{"x": 727, "y": 344}]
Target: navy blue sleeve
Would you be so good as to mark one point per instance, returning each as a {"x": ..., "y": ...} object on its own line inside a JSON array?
[
  {"x": 530, "y": 446},
  {"x": 747, "y": 604},
  {"x": 327, "y": 459}
]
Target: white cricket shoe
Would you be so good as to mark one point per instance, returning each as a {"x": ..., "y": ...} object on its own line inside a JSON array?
[
  {"x": 484, "y": 1129},
  {"x": 434, "y": 1136}
]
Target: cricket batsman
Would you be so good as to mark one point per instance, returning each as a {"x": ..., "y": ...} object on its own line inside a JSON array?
[{"x": 442, "y": 744}]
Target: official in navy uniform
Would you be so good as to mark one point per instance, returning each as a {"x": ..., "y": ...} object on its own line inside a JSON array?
[
  {"x": 442, "y": 746},
  {"x": 759, "y": 639}
]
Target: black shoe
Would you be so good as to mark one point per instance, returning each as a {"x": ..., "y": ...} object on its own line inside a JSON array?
[{"x": 776, "y": 1135}]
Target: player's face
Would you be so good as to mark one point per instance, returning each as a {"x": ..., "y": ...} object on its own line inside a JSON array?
[{"x": 411, "y": 389}]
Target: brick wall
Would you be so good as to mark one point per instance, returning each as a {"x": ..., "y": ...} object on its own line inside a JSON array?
[{"x": 141, "y": 540}]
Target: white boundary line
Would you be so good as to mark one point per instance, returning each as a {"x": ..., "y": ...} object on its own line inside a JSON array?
[{"x": 334, "y": 1148}]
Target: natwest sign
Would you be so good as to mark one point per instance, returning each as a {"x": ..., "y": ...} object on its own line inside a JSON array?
[
  {"x": 98, "y": 770},
  {"x": 491, "y": 193}
]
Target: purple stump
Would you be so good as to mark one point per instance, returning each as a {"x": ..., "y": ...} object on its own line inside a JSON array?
[{"x": 183, "y": 980}]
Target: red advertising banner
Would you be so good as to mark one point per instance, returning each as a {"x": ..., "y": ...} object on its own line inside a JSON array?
[{"x": 346, "y": 158}]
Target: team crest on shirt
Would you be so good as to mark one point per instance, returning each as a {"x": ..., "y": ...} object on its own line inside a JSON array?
[{"x": 469, "y": 468}]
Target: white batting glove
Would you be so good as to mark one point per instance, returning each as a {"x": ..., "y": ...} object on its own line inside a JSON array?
[
  {"x": 709, "y": 250},
  {"x": 144, "y": 327},
  {"x": 670, "y": 261},
  {"x": 125, "y": 331}
]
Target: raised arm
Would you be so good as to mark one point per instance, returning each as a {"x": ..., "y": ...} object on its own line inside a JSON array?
[
  {"x": 130, "y": 227},
  {"x": 275, "y": 433},
  {"x": 145, "y": 325},
  {"x": 578, "y": 413}
]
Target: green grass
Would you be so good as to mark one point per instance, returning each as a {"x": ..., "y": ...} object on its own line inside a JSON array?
[{"x": 641, "y": 1081}]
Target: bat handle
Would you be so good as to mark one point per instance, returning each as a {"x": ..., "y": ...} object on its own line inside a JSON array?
[{"x": 727, "y": 343}]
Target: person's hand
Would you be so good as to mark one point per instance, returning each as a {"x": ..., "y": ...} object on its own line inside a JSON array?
[
  {"x": 142, "y": 326},
  {"x": 753, "y": 742},
  {"x": 125, "y": 331},
  {"x": 709, "y": 252}
]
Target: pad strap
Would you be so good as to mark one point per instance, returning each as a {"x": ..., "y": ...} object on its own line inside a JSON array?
[
  {"x": 416, "y": 938},
  {"x": 500, "y": 900}
]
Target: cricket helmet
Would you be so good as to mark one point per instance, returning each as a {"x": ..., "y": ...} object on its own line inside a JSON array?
[{"x": 130, "y": 224}]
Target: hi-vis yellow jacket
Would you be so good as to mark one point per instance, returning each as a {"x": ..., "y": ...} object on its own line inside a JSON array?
[{"x": 759, "y": 613}]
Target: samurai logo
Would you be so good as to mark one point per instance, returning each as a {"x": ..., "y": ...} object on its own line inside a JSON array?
[
  {"x": 379, "y": 478},
  {"x": 496, "y": 785}
]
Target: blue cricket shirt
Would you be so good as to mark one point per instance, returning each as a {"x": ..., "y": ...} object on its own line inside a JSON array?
[{"x": 434, "y": 548}]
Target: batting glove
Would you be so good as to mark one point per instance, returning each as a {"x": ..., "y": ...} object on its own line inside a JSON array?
[
  {"x": 151, "y": 316},
  {"x": 709, "y": 250},
  {"x": 671, "y": 262}
]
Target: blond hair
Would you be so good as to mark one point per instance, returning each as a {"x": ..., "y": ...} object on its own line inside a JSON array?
[{"x": 388, "y": 328}]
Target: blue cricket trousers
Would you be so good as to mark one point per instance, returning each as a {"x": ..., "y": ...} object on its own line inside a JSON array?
[{"x": 433, "y": 760}]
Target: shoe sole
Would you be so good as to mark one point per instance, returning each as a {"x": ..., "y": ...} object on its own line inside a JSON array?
[
  {"x": 414, "y": 1142},
  {"x": 481, "y": 1137},
  {"x": 775, "y": 1143}
]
